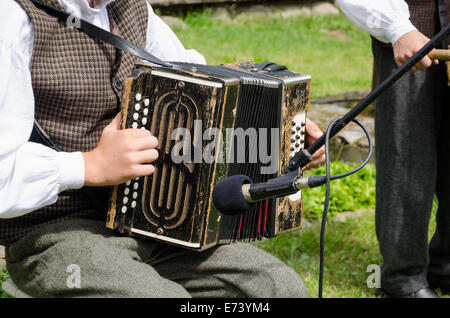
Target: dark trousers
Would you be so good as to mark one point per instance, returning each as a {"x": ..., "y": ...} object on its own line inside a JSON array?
[{"x": 412, "y": 131}]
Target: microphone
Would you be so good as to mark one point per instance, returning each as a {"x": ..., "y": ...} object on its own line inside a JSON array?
[
  {"x": 234, "y": 195},
  {"x": 228, "y": 196}
]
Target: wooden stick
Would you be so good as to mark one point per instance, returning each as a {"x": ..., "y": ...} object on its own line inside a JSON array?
[
  {"x": 448, "y": 73},
  {"x": 442, "y": 55},
  {"x": 448, "y": 70}
]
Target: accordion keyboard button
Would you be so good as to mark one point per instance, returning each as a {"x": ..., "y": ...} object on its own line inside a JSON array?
[
  {"x": 145, "y": 111},
  {"x": 135, "y": 116},
  {"x": 146, "y": 102},
  {"x": 124, "y": 209},
  {"x": 134, "y": 125},
  {"x": 137, "y": 107},
  {"x": 138, "y": 97},
  {"x": 144, "y": 120},
  {"x": 133, "y": 204},
  {"x": 126, "y": 191},
  {"x": 125, "y": 200},
  {"x": 298, "y": 132}
]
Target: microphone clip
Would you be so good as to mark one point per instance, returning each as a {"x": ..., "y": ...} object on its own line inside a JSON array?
[{"x": 283, "y": 185}]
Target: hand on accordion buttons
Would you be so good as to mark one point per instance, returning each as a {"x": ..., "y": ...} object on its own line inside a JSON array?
[
  {"x": 120, "y": 155},
  {"x": 313, "y": 133}
]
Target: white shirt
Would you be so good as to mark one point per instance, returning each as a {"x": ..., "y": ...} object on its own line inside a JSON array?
[
  {"x": 386, "y": 20},
  {"x": 31, "y": 175}
]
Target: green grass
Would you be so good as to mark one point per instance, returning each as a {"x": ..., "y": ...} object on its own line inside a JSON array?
[
  {"x": 353, "y": 193},
  {"x": 349, "y": 248},
  {"x": 3, "y": 276},
  {"x": 305, "y": 44}
]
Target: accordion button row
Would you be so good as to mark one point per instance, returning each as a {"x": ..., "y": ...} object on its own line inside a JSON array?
[
  {"x": 130, "y": 185},
  {"x": 138, "y": 107},
  {"x": 138, "y": 97},
  {"x": 298, "y": 133}
]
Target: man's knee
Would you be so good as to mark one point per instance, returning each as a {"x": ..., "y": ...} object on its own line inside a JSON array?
[
  {"x": 277, "y": 280},
  {"x": 263, "y": 275}
]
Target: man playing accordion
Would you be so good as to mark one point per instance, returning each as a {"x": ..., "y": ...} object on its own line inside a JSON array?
[{"x": 72, "y": 85}]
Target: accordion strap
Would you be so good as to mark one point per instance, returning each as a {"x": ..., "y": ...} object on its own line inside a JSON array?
[{"x": 98, "y": 33}]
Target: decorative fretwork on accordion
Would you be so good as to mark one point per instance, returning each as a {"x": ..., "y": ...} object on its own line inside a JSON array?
[{"x": 174, "y": 204}]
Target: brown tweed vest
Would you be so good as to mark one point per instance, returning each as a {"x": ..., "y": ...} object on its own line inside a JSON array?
[
  {"x": 424, "y": 15},
  {"x": 77, "y": 88}
]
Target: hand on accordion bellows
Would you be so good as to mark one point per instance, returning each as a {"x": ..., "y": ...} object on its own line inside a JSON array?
[
  {"x": 313, "y": 133},
  {"x": 120, "y": 155}
]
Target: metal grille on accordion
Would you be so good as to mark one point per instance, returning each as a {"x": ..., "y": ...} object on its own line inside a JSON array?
[{"x": 211, "y": 122}]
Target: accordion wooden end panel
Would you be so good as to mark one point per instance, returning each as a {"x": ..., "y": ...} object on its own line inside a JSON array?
[{"x": 211, "y": 122}]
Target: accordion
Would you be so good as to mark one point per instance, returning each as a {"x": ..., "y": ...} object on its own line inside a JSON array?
[{"x": 211, "y": 122}]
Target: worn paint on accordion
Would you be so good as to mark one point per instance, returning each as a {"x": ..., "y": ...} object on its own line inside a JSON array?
[{"x": 174, "y": 204}]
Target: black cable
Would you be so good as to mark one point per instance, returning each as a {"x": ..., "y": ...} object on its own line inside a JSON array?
[{"x": 328, "y": 187}]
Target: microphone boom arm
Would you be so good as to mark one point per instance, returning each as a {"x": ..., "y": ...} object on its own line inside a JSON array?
[{"x": 283, "y": 185}]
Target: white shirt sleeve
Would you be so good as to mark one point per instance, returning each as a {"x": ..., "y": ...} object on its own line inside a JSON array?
[
  {"x": 165, "y": 45},
  {"x": 31, "y": 175},
  {"x": 386, "y": 20}
]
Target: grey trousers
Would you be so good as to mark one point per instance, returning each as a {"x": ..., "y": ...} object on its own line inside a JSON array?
[
  {"x": 412, "y": 131},
  {"x": 82, "y": 258}
]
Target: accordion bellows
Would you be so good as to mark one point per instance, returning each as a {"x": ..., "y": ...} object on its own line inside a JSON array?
[{"x": 218, "y": 119}]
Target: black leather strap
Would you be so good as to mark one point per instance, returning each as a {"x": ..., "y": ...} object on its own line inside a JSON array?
[
  {"x": 100, "y": 34},
  {"x": 38, "y": 135},
  {"x": 269, "y": 67}
]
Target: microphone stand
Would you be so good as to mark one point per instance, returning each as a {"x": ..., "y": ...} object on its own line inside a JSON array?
[{"x": 304, "y": 156}]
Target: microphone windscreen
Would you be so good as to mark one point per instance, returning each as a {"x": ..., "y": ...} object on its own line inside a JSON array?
[{"x": 228, "y": 197}]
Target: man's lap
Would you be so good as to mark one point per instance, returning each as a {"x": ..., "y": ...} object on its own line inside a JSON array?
[{"x": 45, "y": 264}]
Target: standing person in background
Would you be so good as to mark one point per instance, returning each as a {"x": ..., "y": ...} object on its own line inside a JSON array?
[{"x": 413, "y": 145}]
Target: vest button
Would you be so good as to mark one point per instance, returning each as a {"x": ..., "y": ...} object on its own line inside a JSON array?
[{"x": 118, "y": 85}]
